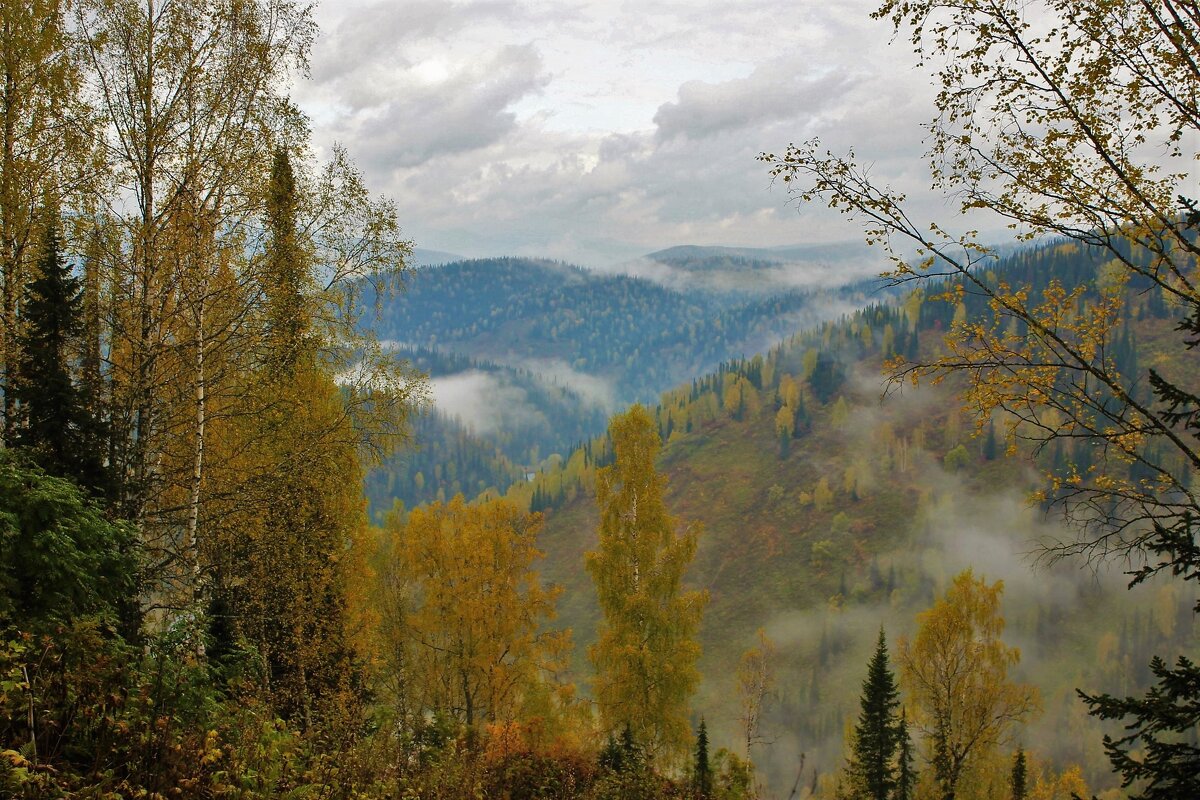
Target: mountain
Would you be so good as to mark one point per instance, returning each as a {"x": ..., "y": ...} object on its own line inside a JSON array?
[
  {"x": 637, "y": 336},
  {"x": 751, "y": 271},
  {"x": 528, "y": 357},
  {"x": 488, "y": 425},
  {"x": 861, "y": 514},
  {"x": 428, "y": 258},
  {"x": 709, "y": 257}
]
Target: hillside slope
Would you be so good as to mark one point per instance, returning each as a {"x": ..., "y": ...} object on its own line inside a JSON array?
[
  {"x": 528, "y": 357},
  {"x": 859, "y": 515}
]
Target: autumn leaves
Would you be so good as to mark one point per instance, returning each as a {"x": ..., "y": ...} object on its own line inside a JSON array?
[{"x": 464, "y": 613}]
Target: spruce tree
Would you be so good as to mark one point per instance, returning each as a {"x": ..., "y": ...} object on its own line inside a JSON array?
[
  {"x": 877, "y": 734},
  {"x": 286, "y": 272},
  {"x": 702, "y": 778},
  {"x": 1017, "y": 782},
  {"x": 1156, "y": 750},
  {"x": 990, "y": 446},
  {"x": 55, "y": 424},
  {"x": 906, "y": 778}
]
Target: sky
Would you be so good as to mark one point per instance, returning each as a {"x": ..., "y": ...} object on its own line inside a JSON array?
[{"x": 596, "y": 132}]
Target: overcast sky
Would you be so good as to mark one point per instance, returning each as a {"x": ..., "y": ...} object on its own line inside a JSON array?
[{"x": 598, "y": 131}]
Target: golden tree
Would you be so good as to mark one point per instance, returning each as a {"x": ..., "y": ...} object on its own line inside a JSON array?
[
  {"x": 465, "y": 611},
  {"x": 283, "y": 508},
  {"x": 955, "y": 672},
  {"x": 645, "y": 653},
  {"x": 42, "y": 148}
]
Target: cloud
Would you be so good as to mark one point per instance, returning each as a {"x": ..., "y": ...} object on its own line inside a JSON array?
[
  {"x": 375, "y": 34},
  {"x": 774, "y": 272},
  {"x": 779, "y": 90},
  {"x": 590, "y": 389},
  {"x": 483, "y": 402},
  {"x": 595, "y": 132},
  {"x": 449, "y": 110}
]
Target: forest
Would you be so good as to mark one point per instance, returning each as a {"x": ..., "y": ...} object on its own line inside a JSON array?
[
  {"x": 934, "y": 542},
  {"x": 559, "y": 348}
]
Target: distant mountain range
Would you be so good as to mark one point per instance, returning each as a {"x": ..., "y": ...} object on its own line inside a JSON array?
[
  {"x": 428, "y": 258},
  {"x": 529, "y": 356},
  {"x": 691, "y": 256}
]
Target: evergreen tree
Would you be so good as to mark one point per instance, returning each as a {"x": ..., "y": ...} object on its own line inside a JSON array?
[
  {"x": 1156, "y": 749},
  {"x": 989, "y": 443},
  {"x": 1017, "y": 782},
  {"x": 827, "y": 377},
  {"x": 278, "y": 559},
  {"x": 286, "y": 268},
  {"x": 56, "y": 426},
  {"x": 645, "y": 653},
  {"x": 60, "y": 556},
  {"x": 702, "y": 777},
  {"x": 906, "y": 777},
  {"x": 877, "y": 734}
]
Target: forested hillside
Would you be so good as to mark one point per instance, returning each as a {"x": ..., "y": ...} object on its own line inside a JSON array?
[
  {"x": 829, "y": 510},
  {"x": 548, "y": 350},
  {"x": 509, "y": 422},
  {"x": 636, "y": 334},
  {"x": 928, "y": 538}
]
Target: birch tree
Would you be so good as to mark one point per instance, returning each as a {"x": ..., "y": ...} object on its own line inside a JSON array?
[{"x": 646, "y": 650}]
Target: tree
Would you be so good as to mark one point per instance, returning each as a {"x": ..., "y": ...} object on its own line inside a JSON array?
[
  {"x": 277, "y": 514},
  {"x": 989, "y": 442},
  {"x": 473, "y": 628},
  {"x": 1017, "y": 783},
  {"x": 956, "y": 672},
  {"x": 906, "y": 777},
  {"x": 60, "y": 557},
  {"x": 287, "y": 273},
  {"x": 755, "y": 680},
  {"x": 54, "y": 421},
  {"x": 41, "y": 142},
  {"x": 876, "y": 739},
  {"x": 190, "y": 95},
  {"x": 278, "y": 562},
  {"x": 785, "y": 427},
  {"x": 1155, "y": 750},
  {"x": 646, "y": 650},
  {"x": 702, "y": 774}
]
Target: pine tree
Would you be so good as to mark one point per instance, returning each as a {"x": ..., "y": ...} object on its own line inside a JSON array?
[
  {"x": 702, "y": 777},
  {"x": 56, "y": 426},
  {"x": 877, "y": 734},
  {"x": 906, "y": 778},
  {"x": 646, "y": 651},
  {"x": 1017, "y": 782}
]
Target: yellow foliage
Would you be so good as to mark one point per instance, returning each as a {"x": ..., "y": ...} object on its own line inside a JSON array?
[
  {"x": 466, "y": 610},
  {"x": 646, "y": 651},
  {"x": 823, "y": 495},
  {"x": 955, "y": 671}
]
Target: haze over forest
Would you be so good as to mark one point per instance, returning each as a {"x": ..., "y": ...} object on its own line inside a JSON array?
[{"x": 572, "y": 400}]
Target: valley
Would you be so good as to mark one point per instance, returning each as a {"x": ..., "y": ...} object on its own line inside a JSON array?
[{"x": 856, "y": 511}]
